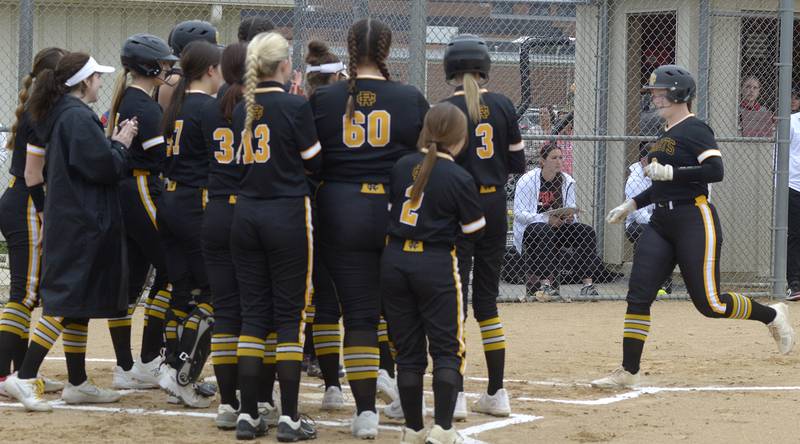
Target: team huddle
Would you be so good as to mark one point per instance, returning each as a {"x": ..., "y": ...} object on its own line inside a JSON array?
[{"x": 338, "y": 216}]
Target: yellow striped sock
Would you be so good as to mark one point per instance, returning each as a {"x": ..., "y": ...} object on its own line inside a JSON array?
[
  {"x": 16, "y": 319},
  {"x": 492, "y": 334},
  {"x": 74, "y": 338},
  {"x": 270, "y": 349},
  {"x": 311, "y": 313},
  {"x": 171, "y": 330},
  {"x": 147, "y": 303},
  {"x": 250, "y": 346},
  {"x": 223, "y": 349},
  {"x": 47, "y": 331},
  {"x": 741, "y": 306},
  {"x": 159, "y": 305},
  {"x": 636, "y": 326},
  {"x": 125, "y": 321},
  {"x": 327, "y": 339},
  {"x": 289, "y": 351},
  {"x": 361, "y": 362},
  {"x": 383, "y": 331}
]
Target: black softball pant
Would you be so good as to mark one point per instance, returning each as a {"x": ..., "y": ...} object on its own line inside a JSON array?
[
  {"x": 180, "y": 221},
  {"x": 352, "y": 232},
  {"x": 20, "y": 227},
  {"x": 793, "y": 259},
  {"x": 542, "y": 255},
  {"x": 138, "y": 196},
  {"x": 324, "y": 300},
  {"x": 689, "y": 235},
  {"x": 423, "y": 305},
  {"x": 488, "y": 252},
  {"x": 272, "y": 249},
  {"x": 219, "y": 265}
]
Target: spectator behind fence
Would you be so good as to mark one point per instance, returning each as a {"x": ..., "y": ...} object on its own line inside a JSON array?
[
  {"x": 541, "y": 236},
  {"x": 793, "y": 259},
  {"x": 562, "y": 127},
  {"x": 795, "y": 99},
  {"x": 755, "y": 120}
]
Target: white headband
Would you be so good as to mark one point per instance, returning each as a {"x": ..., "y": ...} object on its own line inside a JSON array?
[
  {"x": 327, "y": 68},
  {"x": 88, "y": 69}
]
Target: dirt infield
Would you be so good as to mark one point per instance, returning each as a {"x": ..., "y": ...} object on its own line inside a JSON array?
[{"x": 704, "y": 381}]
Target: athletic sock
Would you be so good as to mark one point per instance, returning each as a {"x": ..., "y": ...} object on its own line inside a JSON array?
[
  {"x": 74, "y": 339},
  {"x": 120, "y": 330},
  {"x": 327, "y": 340},
  {"x": 173, "y": 320},
  {"x": 494, "y": 349},
  {"x": 45, "y": 334},
  {"x": 409, "y": 385},
  {"x": 250, "y": 353},
  {"x": 224, "y": 360},
  {"x": 361, "y": 360},
  {"x": 153, "y": 334},
  {"x": 738, "y": 306},
  {"x": 637, "y": 328},
  {"x": 15, "y": 322},
  {"x": 446, "y": 382},
  {"x": 387, "y": 359}
]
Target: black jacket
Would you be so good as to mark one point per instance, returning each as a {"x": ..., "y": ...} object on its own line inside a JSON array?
[{"x": 84, "y": 263}]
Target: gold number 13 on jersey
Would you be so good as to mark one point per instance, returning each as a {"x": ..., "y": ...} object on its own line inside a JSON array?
[
  {"x": 486, "y": 132},
  {"x": 374, "y": 128},
  {"x": 408, "y": 214}
]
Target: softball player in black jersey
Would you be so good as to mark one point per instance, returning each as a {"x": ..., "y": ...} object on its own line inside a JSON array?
[
  {"x": 432, "y": 201},
  {"x": 180, "y": 211},
  {"x": 684, "y": 228},
  {"x": 271, "y": 235},
  {"x": 179, "y": 38},
  {"x": 84, "y": 272},
  {"x": 147, "y": 59},
  {"x": 494, "y": 149},
  {"x": 20, "y": 223},
  {"x": 364, "y": 125}
]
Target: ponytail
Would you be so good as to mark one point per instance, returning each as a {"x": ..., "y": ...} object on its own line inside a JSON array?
[
  {"x": 234, "y": 59},
  {"x": 249, "y": 95},
  {"x": 472, "y": 95},
  {"x": 45, "y": 95},
  {"x": 119, "y": 91},
  {"x": 174, "y": 108},
  {"x": 23, "y": 98},
  {"x": 424, "y": 172},
  {"x": 352, "y": 48}
]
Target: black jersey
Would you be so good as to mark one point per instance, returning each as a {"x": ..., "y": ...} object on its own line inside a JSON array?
[
  {"x": 187, "y": 155},
  {"x": 148, "y": 147},
  {"x": 384, "y": 127},
  {"x": 486, "y": 156},
  {"x": 224, "y": 173},
  {"x": 283, "y": 146},
  {"x": 26, "y": 141},
  {"x": 686, "y": 144},
  {"x": 448, "y": 207}
]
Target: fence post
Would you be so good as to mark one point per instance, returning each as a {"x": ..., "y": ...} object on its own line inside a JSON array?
[
  {"x": 25, "y": 39},
  {"x": 601, "y": 124},
  {"x": 417, "y": 57},
  {"x": 360, "y": 9},
  {"x": 703, "y": 59},
  {"x": 299, "y": 33},
  {"x": 781, "y": 210}
]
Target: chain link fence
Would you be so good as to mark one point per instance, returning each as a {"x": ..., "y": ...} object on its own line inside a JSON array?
[{"x": 573, "y": 67}]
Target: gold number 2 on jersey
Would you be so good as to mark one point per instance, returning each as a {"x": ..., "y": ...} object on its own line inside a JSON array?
[
  {"x": 375, "y": 128},
  {"x": 486, "y": 132},
  {"x": 408, "y": 214},
  {"x": 224, "y": 136},
  {"x": 174, "y": 145},
  {"x": 262, "y": 154}
]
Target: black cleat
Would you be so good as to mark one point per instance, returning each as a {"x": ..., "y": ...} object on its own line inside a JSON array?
[
  {"x": 248, "y": 428},
  {"x": 292, "y": 431}
]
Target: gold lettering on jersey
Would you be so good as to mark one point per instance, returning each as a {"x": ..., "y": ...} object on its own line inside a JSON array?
[
  {"x": 258, "y": 112},
  {"x": 413, "y": 246},
  {"x": 484, "y": 112},
  {"x": 366, "y": 98},
  {"x": 372, "y": 188},
  {"x": 415, "y": 171},
  {"x": 487, "y": 189},
  {"x": 665, "y": 145}
]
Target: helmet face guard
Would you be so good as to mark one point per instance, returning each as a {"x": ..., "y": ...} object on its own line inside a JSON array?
[
  {"x": 467, "y": 53},
  {"x": 676, "y": 80}
]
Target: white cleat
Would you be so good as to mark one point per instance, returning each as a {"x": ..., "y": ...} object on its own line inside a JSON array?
[
  {"x": 395, "y": 410},
  {"x": 386, "y": 387},
  {"x": 125, "y": 380},
  {"x": 619, "y": 378},
  {"x": 409, "y": 436},
  {"x": 148, "y": 372},
  {"x": 495, "y": 405},
  {"x": 365, "y": 425},
  {"x": 333, "y": 399},
  {"x": 186, "y": 394},
  {"x": 51, "y": 385},
  {"x": 226, "y": 417},
  {"x": 271, "y": 413},
  {"x": 781, "y": 328},
  {"x": 460, "y": 413},
  {"x": 88, "y": 393},
  {"x": 29, "y": 392},
  {"x": 438, "y": 435}
]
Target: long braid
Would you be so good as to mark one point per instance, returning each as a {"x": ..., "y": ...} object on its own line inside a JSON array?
[
  {"x": 382, "y": 51},
  {"x": 352, "y": 49},
  {"x": 23, "y": 98},
  {"x": 249, "y": 95}
]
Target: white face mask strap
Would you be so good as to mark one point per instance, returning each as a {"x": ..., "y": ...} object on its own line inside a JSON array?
[{"x": 327, "y": 68}]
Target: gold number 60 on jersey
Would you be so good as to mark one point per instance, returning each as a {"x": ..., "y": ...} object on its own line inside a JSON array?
[{"x": 374, "y": 128}]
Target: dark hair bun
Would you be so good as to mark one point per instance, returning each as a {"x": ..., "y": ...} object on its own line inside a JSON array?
[{"x": 317, "y": 49}]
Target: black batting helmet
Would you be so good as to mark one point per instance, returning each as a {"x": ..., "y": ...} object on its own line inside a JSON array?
[
  {"x": 143, "y": 52},
  {"x": 679, "y": 84},
  {"x": 466, "y": 53},
  {"x": 187, "y": 32}
]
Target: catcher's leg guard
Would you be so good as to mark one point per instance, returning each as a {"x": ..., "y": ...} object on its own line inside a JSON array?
[{"x": 195, "y": 344}]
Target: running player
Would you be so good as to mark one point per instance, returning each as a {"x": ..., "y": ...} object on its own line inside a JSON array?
[
  {"x": 684, "y": 228},
  {"x": 83, "y": 263},
  {"x": 432, "y": 201},
  {"x": 147, "y": 59},
  {"x": 180, "y": 219},
  {"x": 20, "y": 221},
  {"x": 364, "y": 125},
  {"x": 271, "y": 235},
  {"x": 494, "y": 149}
]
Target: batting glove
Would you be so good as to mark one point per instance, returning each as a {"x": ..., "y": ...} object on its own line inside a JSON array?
[
  {"x": 619, "y": 214},
  {"x": 658, "y": 172}
]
